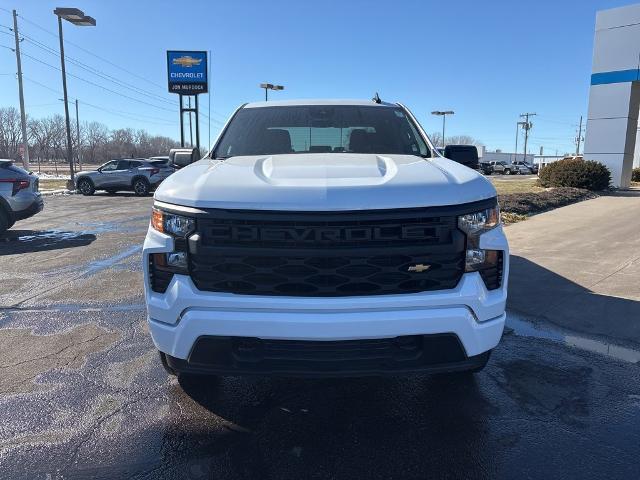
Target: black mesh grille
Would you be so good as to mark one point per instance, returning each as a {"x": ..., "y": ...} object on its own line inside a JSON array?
[{"x": 322, "y": 254}]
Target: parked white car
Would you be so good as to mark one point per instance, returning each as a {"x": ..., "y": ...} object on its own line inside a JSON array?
[{"x": 325, "y": 238}]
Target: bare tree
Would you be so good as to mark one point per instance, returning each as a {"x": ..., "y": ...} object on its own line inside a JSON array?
[
  {"x": 96, "y": 137},
  {"x": 10, "y": 133},
  {"x": 436, "y": 139},
  {"x": 47, "y": 139}
]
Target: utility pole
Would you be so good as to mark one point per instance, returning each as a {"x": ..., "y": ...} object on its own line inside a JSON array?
[
  {"x": 527, "y": 125},
  {"x": 78, "y": 134},
  {"x": 23, "y": 116},
  {"x": 579, "y": 138},
  {"x": 517, "y": 135}
]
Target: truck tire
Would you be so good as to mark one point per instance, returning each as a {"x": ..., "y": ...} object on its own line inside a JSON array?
[
  {"x": 86, "y": 188},
  {"x": 507, "y": 171},
  {"x": 141, "y": 187}
]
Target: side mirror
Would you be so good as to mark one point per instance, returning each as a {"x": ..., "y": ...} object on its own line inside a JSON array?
[
  {"x": 99, "y": 169},
  {"x": 181, "y": 157},
  {"x": 467, "y": 155}
]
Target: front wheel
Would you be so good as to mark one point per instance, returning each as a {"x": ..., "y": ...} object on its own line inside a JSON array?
[
  {"x": 507, "y": 171},
  {"x": 86, "y": 187},
  {"x": 141, "y": 187}
]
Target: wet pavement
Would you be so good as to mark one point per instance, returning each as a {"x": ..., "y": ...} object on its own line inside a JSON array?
[{"x": 83, "y": 395}]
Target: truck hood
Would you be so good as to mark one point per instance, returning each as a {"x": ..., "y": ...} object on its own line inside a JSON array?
[{"x": 324, "y": 182}]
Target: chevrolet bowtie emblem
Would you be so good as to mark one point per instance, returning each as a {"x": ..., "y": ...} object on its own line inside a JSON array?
[
  {"x": 187, "y": 61},
  {"x": 419, "y": 268}
]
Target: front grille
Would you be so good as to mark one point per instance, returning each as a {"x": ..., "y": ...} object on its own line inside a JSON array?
[{"x": 326, "y": 254}]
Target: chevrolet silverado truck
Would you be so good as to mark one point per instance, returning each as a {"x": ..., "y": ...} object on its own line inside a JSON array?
[{"x": 325, "y": 238}]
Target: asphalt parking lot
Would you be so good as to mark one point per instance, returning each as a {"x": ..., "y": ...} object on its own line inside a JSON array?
[{"x": 82, "y": 393}]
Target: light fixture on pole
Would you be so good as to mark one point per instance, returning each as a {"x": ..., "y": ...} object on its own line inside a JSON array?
[
  {"x": 77, "y": 17},
  {"x": 269, "y": 86},
  {"x": 443, "y": 114}
]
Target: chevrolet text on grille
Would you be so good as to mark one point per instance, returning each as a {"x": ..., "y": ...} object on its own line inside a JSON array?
[{"x": 319, "y": 234}]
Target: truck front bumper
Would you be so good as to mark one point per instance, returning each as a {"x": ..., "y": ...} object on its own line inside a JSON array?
[{"x": 229, "y": 333}]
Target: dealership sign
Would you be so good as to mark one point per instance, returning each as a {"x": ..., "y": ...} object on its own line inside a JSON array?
[{"x": 187, "y": 72}]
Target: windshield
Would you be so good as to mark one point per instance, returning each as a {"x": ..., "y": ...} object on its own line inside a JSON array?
[{"x": 321, "y": 129}]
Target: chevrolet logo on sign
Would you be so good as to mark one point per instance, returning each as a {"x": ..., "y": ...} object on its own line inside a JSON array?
[
  {"x": 187, "y": 61},
  {"x": 419, "y": 268}
]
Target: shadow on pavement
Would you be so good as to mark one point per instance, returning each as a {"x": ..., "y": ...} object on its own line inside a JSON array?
[
  {"x": 23, "y": 241},
  {"x": 115, "y": 194},
  {"x": 288, "y": 428},
  {"x": 539, "y": 293}
]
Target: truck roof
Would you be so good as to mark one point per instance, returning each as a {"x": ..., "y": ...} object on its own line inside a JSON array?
[{"x": 311, "y": 101}]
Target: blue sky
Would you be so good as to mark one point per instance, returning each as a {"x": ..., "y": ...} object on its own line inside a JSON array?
[{"x": 488, "y": 61}]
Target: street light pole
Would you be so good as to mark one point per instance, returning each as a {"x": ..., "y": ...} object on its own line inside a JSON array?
[
  {"x": 269, "y": 86},
  {"x": 443, "y": 114},
  {"x": 65, "y": 100},
  {"x": 77, "y": 17}
]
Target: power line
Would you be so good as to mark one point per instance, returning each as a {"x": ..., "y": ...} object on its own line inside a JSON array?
[
  {"x": 120, "y": 94},
  {"x": 126, "y": 115},
  {"x": 97, "y": 72},
  {"x": 114, "y": 112},
  {"x": 110, "y": 78},
  {"x": 104, "y": 75},
  {"x": 91, "y": 53}
]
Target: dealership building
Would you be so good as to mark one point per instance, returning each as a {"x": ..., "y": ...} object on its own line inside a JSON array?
[{"x": 614, "y": 96}]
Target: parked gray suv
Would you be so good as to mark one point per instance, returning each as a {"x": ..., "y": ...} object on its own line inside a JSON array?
[
  {"x": 19, "y": 195},
  {"x": 137, "y": 175}
]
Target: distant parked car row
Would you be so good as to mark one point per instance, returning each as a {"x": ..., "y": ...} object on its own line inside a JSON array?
[
  {"x": 138, "y": 175},
  {"x": 517, "y": 167}
]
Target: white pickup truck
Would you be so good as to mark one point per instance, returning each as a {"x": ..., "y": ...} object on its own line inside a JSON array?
[{"x": 325, "y": 238}]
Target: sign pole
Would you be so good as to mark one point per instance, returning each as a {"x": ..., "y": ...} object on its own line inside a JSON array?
[
  {"x": 197, "y": 126},
  {"x": 181, "y": 123},
  {"x": 187, "y": 73}
]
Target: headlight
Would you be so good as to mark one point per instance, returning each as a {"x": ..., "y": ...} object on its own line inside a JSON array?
[
  {"x": 479, "y": 222},
  {"x": 163, "y": 265},
  {"x": 487, "y": 262},
  {"x": 172, "y": 224}
]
